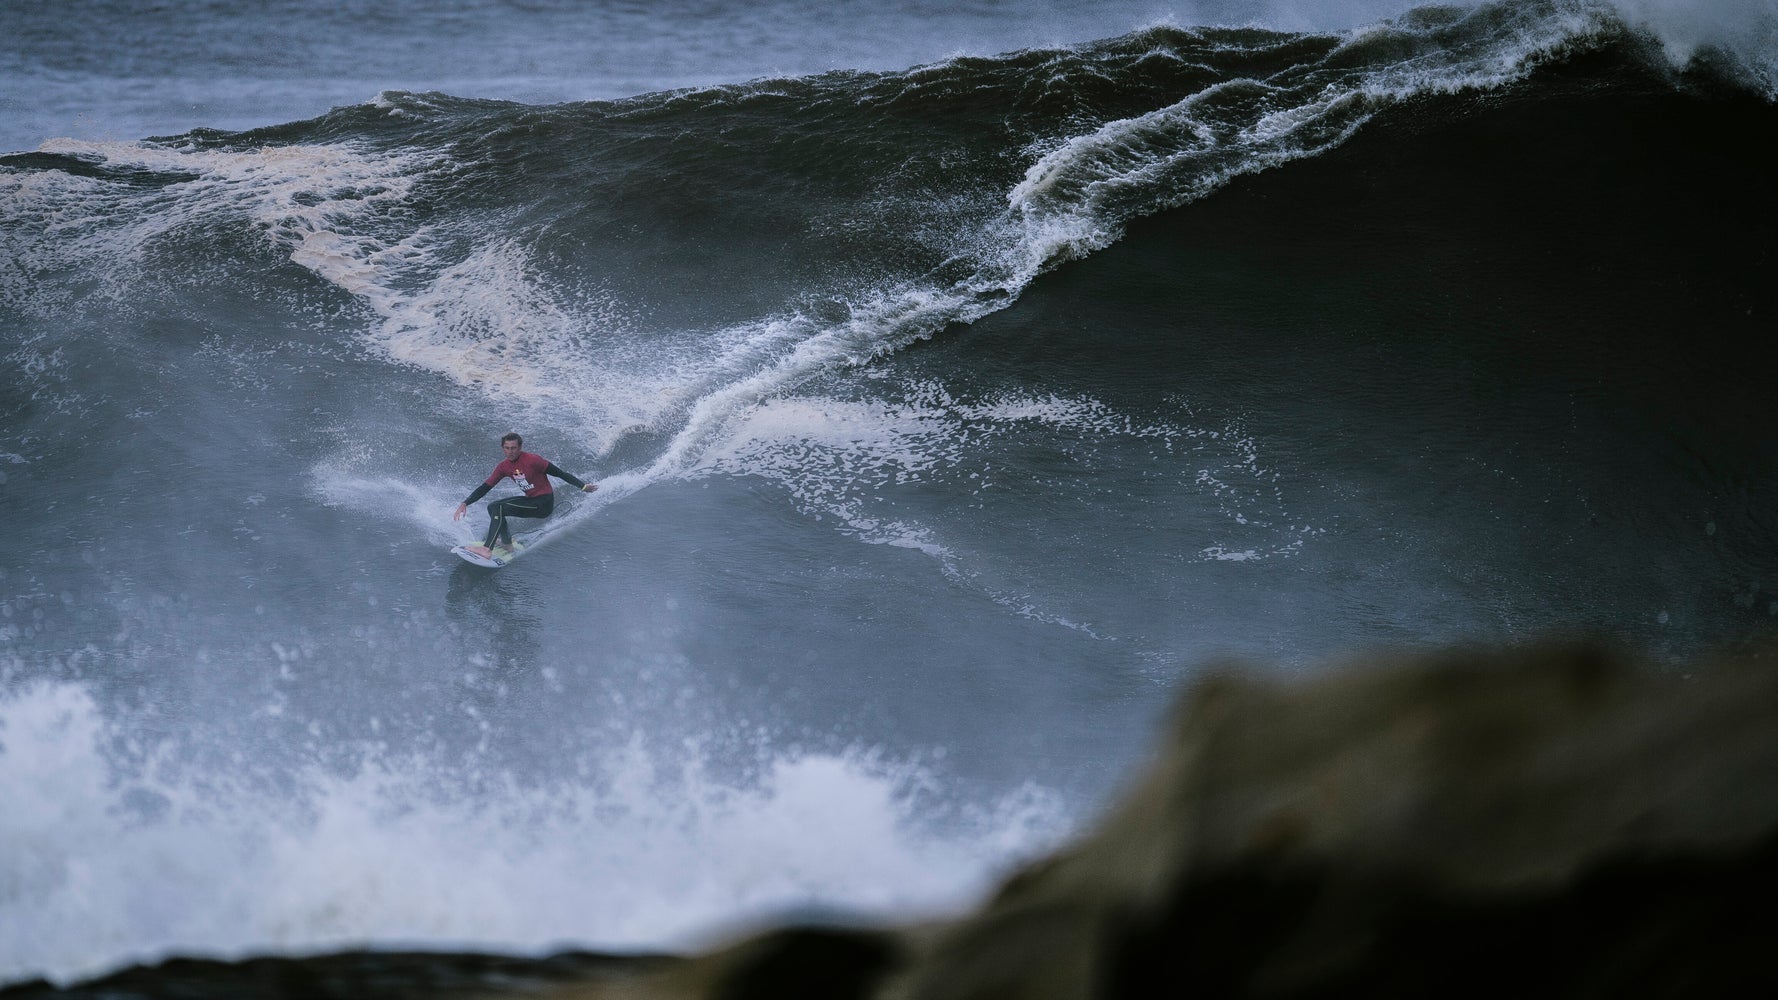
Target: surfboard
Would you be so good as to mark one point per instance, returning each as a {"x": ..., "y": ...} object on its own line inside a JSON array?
[{"x": 500, "y": 557}]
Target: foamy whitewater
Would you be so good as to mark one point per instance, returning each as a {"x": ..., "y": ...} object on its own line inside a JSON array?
[
  {"x": 406, "y": 850},
  {"x": 959, "y": 383}
]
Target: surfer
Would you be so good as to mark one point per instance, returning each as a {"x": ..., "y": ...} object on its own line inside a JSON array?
[{"x": 529, "y": 473}]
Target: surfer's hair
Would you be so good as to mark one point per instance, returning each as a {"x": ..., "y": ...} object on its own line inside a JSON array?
[{"x": 513, "y": 438}]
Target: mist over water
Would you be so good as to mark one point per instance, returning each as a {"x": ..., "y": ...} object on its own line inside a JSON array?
[{"x": 949, "y": 409}]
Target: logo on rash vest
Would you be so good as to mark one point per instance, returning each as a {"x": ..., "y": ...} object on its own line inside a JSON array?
[{"x": 523, "y": 483}]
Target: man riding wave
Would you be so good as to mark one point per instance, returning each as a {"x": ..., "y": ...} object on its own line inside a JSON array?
[{"x": 530, "y": 473}]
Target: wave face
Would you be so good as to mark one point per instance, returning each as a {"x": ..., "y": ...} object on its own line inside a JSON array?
[{"x": 944, "y": 418}]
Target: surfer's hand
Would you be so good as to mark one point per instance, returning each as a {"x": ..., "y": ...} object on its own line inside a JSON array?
[
  {"x": 458, "y": 516},
  {"x": 588, "y": 488}
]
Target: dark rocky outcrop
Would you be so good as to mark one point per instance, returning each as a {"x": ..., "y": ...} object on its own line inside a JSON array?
[{"x": 1550, "y": 821}]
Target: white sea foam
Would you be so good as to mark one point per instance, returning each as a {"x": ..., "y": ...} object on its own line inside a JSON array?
[
  {"x": 1743, "y": 31},
  {"x": 481, "y": 317},
  {"x": 860, "y": 465},
  {"x": 321, "y": 203},
  {"x": 837, "y": 457},
  {"x": 1173, "y": 155},
  {"x": 338, "y": 486},
  {"x": 102, "y": 864}
]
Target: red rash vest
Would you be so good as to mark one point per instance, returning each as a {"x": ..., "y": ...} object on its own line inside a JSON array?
[{"x": 528, "y": 472}]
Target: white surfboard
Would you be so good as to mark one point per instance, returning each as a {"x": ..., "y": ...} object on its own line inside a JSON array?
[{"x": 500, "y": 557}]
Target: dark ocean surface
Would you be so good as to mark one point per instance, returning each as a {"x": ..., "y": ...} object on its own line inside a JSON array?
[{"x": 960, "y": 382}]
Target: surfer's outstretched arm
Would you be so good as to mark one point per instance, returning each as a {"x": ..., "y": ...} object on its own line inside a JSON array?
[
  {"x": 476, "y": 494},
  {"x": 571, "y": 479}
]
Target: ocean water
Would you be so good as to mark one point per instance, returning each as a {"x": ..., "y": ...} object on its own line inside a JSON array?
[{"x": 961, "y": 380}]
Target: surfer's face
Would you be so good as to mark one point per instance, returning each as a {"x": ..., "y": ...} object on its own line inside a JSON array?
[{"x": 511, "y": 448}]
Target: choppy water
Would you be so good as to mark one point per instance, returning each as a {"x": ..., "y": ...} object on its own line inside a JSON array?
[{"x": 950, "y": 410}]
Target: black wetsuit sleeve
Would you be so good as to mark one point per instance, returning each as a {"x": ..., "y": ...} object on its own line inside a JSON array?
[
  {"x": 480, "y": 491},
  {"x": 566, "y": 477}
]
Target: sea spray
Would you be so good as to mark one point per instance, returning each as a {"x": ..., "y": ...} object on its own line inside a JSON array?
[{"x": 124, "y": 858}]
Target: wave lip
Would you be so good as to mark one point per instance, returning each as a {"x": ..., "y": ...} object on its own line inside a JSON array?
[{"x": 1737, "y": 37}]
